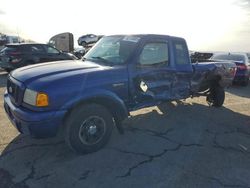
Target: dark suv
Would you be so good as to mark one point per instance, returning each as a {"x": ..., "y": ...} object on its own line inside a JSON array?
[{"x": 18, "y": 55}]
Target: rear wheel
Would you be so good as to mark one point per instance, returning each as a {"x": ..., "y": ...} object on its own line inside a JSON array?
[
  {"x": 216, "y": 96},
  {"x": 88, "y": 128}
]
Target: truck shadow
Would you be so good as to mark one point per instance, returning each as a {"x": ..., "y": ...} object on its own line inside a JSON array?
[
  {"x": 42, "y": 159},
  {"x": 240, "y": 91},
  {"x": 3, "y": 78}
]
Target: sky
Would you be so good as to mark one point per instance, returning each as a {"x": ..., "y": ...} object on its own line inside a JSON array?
[{"x": 207, "y": 25}]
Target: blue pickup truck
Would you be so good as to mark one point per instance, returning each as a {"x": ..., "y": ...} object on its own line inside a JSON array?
[{"x": 86, "y": 98}]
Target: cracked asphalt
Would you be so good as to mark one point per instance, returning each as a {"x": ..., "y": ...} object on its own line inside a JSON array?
[{"x": 186, "y": 144}]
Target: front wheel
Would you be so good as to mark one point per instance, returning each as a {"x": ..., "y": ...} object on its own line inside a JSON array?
[
  {"x": 216, "y": 96},
  {"x": 88, "y": 128}
]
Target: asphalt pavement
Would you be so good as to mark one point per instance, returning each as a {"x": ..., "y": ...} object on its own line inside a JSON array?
[{"x": 185, "y": 144}]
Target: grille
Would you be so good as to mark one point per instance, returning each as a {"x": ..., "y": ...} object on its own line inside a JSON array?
[{"x": 15, "y": 91}]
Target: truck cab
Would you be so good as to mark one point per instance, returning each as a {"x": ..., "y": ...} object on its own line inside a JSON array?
[{"x": 153, "y": 72}]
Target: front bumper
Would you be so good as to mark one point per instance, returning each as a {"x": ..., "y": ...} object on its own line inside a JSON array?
[{"x": 36, "y": 124}]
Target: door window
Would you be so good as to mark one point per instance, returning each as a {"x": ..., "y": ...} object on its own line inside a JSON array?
[
  {"x": 36, "y": 49},
  {"x": 52, "y": 50},
  {"x": 181, "y": 53},
  {"x": 154, "y": 53}
]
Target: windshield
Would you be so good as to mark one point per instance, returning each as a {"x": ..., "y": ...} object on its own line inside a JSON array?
[
  {"x": 232, "y": 57},
  {"x": 112, "y": 50}
]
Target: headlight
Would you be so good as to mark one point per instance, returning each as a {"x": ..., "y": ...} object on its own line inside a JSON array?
[{"x": 35, "y": 98}]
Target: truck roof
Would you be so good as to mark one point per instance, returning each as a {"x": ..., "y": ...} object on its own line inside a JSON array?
[{"x": 151, "y": 36}]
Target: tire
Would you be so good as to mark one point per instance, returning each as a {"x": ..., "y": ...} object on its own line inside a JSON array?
[
  {"x": 216, "y": 97},
  {"x": 88, "y": 128}
]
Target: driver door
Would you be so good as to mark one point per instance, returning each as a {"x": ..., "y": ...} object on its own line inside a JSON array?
[{"x": 152, "y": 76}]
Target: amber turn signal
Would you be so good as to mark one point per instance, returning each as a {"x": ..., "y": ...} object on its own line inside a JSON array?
[{"x": 42, "y": 100}]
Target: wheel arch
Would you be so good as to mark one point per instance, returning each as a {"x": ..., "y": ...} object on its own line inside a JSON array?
[
  {"x": 216, "y": 81},
  {"x": 113, "y": 104}
]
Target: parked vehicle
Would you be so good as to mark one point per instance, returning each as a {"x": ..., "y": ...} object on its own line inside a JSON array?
[
  {"x": 243, "y": 65},
  {"x": 88, "y": 39},
  {"x": 6, "y": 39},
  {"x": 200, "y": 56},
  {"x": 18, "y": 55},
  {"x": 79, "y": 52},
  {"x": 63, "y": 42},
  {"x": 85, "y": 100}
]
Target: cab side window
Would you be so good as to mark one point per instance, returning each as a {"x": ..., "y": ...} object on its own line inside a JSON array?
[
  {"x": 154, "y": 53},
  {"x": 181, "y": 53}
]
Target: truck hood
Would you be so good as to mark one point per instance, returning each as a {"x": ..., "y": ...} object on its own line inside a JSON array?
[{"x": 56, "y": 69}]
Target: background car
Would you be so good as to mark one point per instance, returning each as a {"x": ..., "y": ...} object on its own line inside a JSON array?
[
  {"x": 88, "y": 39},
  {"x": 243, "y": 66},
  {"x": 79, "y": 52},
  {"x": 7, "y": 39},
  {"x": 63, "y": 42},
  {"x": 200, "y": 56},
  {"x": 18, "y": 55}
]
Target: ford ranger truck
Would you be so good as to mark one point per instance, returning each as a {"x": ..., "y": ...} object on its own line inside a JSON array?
[{"x": 85, "y": 99}]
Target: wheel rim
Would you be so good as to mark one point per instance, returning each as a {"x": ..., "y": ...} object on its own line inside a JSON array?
[{"x": 92, "y": 130}]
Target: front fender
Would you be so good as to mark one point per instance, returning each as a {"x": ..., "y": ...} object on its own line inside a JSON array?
[{"x": 107, "y": 98}]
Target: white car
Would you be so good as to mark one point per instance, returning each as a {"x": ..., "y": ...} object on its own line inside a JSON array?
[{"x": 88, "y": 39}]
